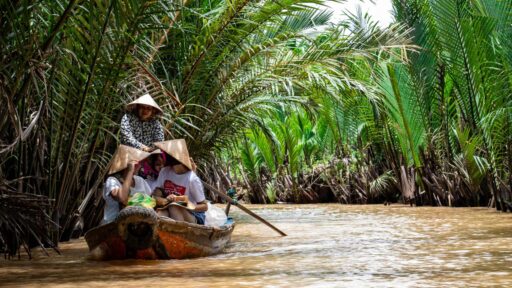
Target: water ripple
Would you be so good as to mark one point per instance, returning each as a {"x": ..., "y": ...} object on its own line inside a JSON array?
[{"x": 326, "y": 246}]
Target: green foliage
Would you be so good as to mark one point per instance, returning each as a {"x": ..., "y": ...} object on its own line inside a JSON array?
[
  {"x": 472, "y": 167},
  {"x": 403, "y": 103},
  {"x": 464, "y": 61},
  {"x": 382, "y": 183},
  {"x": 271, "y": 192}
]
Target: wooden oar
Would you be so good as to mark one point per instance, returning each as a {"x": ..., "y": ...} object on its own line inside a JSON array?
[
  {"x": 227, "y": 208},
  {"x": 230, "y": 200}
]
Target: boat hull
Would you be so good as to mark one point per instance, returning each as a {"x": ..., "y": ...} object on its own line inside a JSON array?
[{"x": 138, "y": 233}]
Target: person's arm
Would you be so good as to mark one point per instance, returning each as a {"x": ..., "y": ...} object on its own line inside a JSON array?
[
  {"x": 160, "y": 199},
  {"x": 158, "y": 194},
  {"x": 110, "y": 185},
  {"x": 121, "y": 194},
  {"x": 201, "y": 206},
  {"x": 127, "y": 137}
]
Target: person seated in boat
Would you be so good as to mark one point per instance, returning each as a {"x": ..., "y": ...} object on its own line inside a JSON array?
[
  {"x": 140, "y": 126},
  {"x": 151, "y": 168},
  {"x": 176, "y": 180},
  {"x": 122, "y": 181}
]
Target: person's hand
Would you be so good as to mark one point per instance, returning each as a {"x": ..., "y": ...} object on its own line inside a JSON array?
[
  {"x": 115, "y": 193},
  {"x": 147, "y": 148},
  {"x": 171, "y": 198},
  {"x": 132, "y": 166},
  {"x": 137, "y": 166}
]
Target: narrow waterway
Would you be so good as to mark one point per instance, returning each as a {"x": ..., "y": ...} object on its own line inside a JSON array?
[{"x": 328, "y": 246}]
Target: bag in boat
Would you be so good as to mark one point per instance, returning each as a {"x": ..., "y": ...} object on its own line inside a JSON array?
[
  {"x": 214, "y": 216},
  {"x": 141, "y": 199}
]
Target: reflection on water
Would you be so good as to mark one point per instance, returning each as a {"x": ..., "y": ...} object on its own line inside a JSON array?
[{"x": 327, "y": 246}]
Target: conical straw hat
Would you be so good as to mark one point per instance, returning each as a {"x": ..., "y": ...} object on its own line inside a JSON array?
[
  {"x": 177, "y": 149},
  {"x": 145, "y": 99},
  {"x": 123, "y": 156}
]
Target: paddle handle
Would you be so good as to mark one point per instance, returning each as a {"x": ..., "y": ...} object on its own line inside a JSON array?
[
  {"x": 243, "y": 208},
  {"x": 227, "y": 208}
]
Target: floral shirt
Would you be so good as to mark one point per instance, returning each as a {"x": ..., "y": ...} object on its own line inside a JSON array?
[{"x": 136, "y": 133}]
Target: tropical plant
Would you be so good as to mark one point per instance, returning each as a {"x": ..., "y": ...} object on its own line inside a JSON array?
[
  {"x": 464, "y": 47},
  {"x": 437, "y": 115}
]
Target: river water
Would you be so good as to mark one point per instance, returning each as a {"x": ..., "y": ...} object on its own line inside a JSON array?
[{"x": 327, "y": 246}]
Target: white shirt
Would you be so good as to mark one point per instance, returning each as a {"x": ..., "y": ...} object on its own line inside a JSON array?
[
  {"x": 151, "y": 183},
  {"x": 181, "y": 184},
  {"x": 111, "y": 205}
]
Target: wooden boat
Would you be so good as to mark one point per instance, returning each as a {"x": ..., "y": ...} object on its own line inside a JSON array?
[{"x": 139, "y": 233}]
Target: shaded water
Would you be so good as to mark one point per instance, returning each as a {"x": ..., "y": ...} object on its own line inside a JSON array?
[{"x": 328, "y": 246}]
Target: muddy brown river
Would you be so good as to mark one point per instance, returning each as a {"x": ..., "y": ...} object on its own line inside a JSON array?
[{"x": 328, "y": 246}]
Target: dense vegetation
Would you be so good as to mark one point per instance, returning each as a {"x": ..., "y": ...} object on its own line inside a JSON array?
[
  {"x": 432, "y": 127},
  {"x": 268, "y": 94}
]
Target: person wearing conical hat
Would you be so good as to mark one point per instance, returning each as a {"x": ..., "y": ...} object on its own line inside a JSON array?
[
  {"x": 176, "y": 180},
  {"x": 140, "y": 127},
  {"x": 151, "y": 168},
  {"x": 123, "y": 181}
]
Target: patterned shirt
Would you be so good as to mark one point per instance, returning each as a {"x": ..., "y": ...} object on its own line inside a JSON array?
[{"x": 136, "y": 133}]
